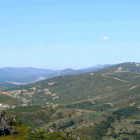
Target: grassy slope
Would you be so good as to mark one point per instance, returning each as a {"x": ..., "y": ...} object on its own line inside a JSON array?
[
  {"x": 8, "y": 100},
  {"x": 84, "y": 120},
  {"x": 36, "y": 116},
  {"x": 101, "y": 86},
  {"x": 91, "y": 122},
  {"x": 20, "y": 136},
  {"x": 6, "y": 86},
  {"x": 121, "y": 127}
]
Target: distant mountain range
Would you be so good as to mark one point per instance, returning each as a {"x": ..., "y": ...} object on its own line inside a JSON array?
[
  {"x": 116, "y": 85},
  {"x": 29, "y": 74}
]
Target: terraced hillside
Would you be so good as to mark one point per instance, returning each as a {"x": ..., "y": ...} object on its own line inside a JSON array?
[{"x": 116, "y": 85}]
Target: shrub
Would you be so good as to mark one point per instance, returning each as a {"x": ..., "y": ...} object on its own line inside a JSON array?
[
  {"x": 42, "y": 135},
  {"x": 71, "y": 123}
]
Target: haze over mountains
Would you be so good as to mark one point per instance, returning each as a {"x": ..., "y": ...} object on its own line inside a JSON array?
[{"x": 29, "y": 74}]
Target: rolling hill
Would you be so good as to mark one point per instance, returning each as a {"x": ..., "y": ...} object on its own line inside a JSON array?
[{"x": 118, "y": 84}]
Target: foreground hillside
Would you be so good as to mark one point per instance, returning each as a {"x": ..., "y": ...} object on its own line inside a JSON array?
[{"x": 116, "y": 123}]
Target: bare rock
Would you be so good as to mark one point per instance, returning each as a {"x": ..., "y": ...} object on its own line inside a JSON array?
[{"x": 5, "y": 125}]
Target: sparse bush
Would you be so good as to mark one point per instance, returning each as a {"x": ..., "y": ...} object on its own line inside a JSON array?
[
  {"x": 120, "y": 129},
  {"x": 54, "y": 125},
  {"x": 114, "y": 135},
  {"x": 71, "y": 123},
  {"x": 125, "y": 139}
]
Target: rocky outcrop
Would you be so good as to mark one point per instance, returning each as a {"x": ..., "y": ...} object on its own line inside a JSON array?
[
  {"x": 5, "y": 125},
  {"x": 71, "y": 135},
  {"x": 67, "y": 135}
]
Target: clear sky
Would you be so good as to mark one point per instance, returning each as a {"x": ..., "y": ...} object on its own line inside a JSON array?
[{"x": 60, "y": 34}]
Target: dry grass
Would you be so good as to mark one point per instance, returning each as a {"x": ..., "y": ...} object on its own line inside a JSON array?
[{"x": 20, "y": 136}]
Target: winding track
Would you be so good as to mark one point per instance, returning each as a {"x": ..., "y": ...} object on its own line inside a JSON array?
[
  {"x": 91, "y": 100},
  {"x": 133, "y": 87},
  {"x": 114, "y": 78}
]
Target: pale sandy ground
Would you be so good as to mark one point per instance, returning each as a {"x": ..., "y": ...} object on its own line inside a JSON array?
[
  {"x": 51, "y": 83},
  {"x": 110, "y": 104},
  {"x": 133, "y": 87},
  {"x": 132, "y": 104},
  {"x": 137, "y": 65}
]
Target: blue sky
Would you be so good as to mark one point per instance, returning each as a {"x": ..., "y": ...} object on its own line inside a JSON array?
[{"x": 69, "y": 34}]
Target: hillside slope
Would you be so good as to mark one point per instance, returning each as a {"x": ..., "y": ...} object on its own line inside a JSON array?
[
  {"x": 102, "y": 104},
  {"x": 118, "y": 84}
]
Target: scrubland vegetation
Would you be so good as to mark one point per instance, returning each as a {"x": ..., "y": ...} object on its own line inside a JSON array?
[{"x": 103, "y": 105}]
